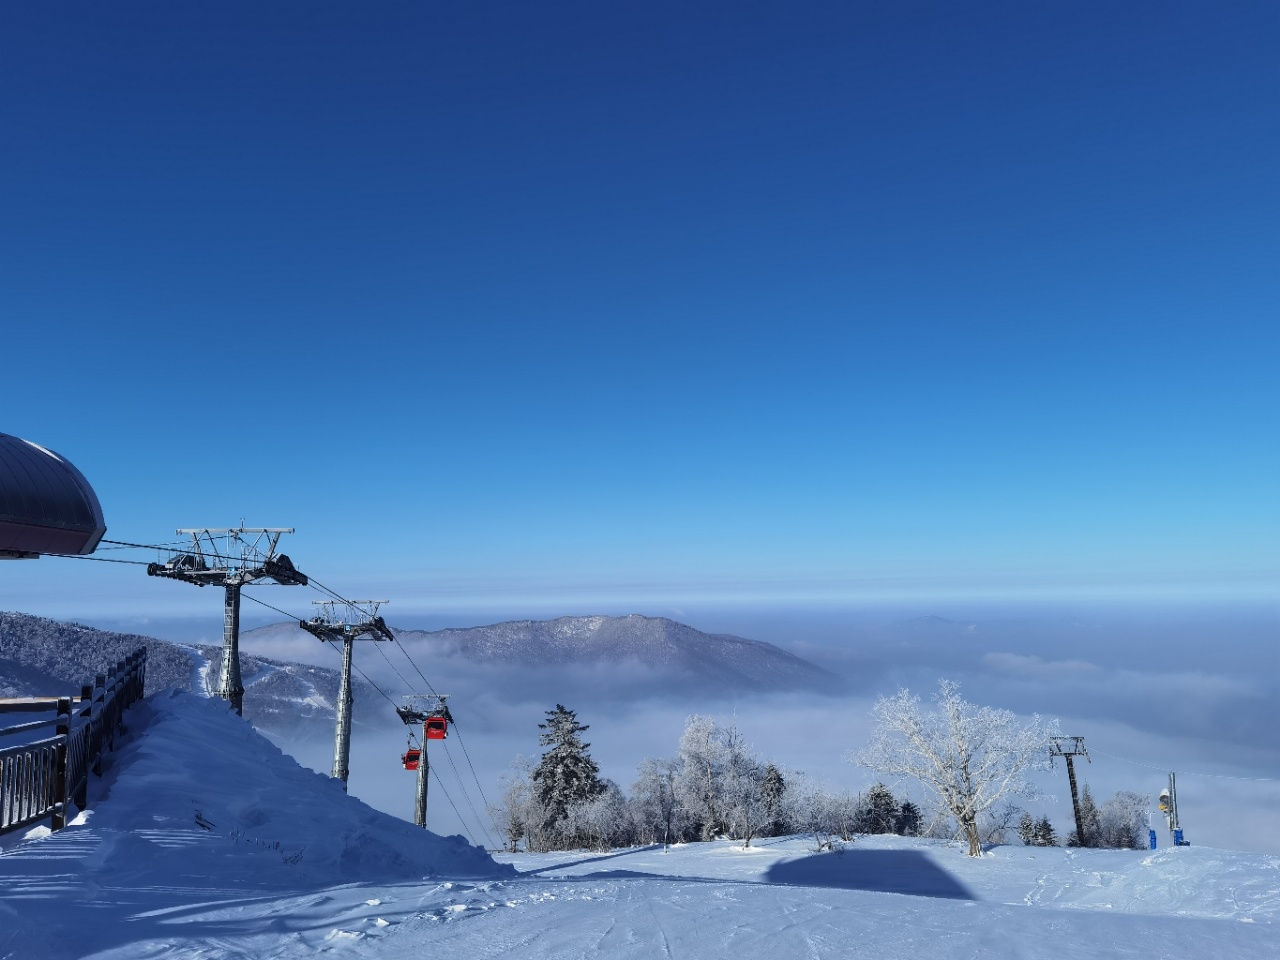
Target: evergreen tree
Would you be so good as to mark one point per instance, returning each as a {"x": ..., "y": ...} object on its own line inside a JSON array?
[
  {"x": 772, "y": 787},
  {"x": 566, "y": 774},
  {"x": 878, "y": 811},
  {"x": 1027, "y": 830},
  {"x": 1044, "y": 835},
  {"x": 908, "y": 821},
  {"x": 1091, "y": 822}
]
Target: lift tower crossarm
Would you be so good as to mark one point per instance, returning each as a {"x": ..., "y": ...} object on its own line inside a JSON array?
[
  {"x": 329, "y": 625},
  {"x": 230, "y": 557}
]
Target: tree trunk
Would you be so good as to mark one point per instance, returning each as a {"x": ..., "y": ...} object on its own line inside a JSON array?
[{"x": 970, "y": 824}]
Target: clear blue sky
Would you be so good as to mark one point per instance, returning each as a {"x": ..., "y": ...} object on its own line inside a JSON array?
[{"x": 685, "y": 300}]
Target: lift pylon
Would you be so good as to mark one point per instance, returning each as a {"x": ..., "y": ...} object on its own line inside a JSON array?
[
  {"x": 331, "y": 624},
  {"x": 433, "y": 714},
  {"x": 230, "y": 557},
  {"x": 1069, "y": 748}
]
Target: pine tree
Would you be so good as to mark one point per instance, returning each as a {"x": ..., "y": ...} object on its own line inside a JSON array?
[
  {"x": 566, "y": 774},
  {"x": 908, "y": 821},
  {"x": 1090, "y": 820},
  {"x": 1027, "y": 830},
  {"x": 1044, "y": 835},
  {"x": 878, "y": 811}
]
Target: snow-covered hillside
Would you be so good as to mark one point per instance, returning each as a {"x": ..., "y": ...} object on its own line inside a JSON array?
[
  {"x": 42, "y": 657},
  {"x": 204, "y": 841},
  {"x": 636, "y": 651},
  {"x": 650, "y": 643}
]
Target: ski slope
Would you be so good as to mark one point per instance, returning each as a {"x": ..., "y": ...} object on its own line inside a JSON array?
[{"x": 204, "y": 841}]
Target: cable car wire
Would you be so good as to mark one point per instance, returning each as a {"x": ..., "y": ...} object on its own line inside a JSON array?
[
  {"x": 1185, "y": 773},
  {"x": 466, "y": 794},
  {"x": 462, "y": 743},
  {"x": 407, "y": 684},
  {"x": 147, "y": 546},
  {"x": 85, "y": 556},
  {"x": 440, "y": 784}
]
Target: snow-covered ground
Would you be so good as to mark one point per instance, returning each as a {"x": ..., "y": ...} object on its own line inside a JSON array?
[{"x": 204, "y": 841}]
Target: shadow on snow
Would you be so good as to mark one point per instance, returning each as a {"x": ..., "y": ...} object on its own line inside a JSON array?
[{"x": 883, "y": 871}]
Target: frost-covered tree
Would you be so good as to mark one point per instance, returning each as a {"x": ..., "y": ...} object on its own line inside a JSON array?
[
  {"x": 773, "y": 790},
  {"x": 719, "y": 782},
  {"x": 656, "y": 808},
  {"x": 969, "y": 757},
  {"x": 510, "y": 814},
  {"x": 746, "y": 811},
  {"x": 833, "y": 814},
  {"x": 566, "y": 774},
  {"x": 1122, "y": 821},
  {"x": 599, "y": 823},
  {"x": 706, "y": 757}
]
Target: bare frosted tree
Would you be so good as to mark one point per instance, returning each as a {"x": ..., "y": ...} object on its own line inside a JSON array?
[
  {"x": 511, "y": 813},
  {"x": 969, "y": 757},
  {"x": 704, "y": 760},
  {"x": 1123, "y": 820},
  {"x": 657, "y": 810}
]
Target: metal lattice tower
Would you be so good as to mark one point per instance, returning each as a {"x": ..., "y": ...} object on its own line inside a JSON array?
[
  {"x": 230, "y": 557},
  {"x": 419, "y": 710},
  {"x": 332, "y": 624},
  {"x": 1069, "y": 748}
]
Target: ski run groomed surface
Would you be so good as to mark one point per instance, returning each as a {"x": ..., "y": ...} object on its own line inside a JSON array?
[{"x": 204, "y": 841}]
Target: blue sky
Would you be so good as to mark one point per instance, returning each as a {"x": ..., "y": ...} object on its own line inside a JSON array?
[{"x": 588, "y": 304}]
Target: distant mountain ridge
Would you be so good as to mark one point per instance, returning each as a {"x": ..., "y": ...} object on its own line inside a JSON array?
[
  {"x": 43, "y": 657},
  {"x": 655, "y": 643}
]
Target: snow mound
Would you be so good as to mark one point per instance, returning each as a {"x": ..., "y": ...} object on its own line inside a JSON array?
[{"x": 197, "y": 792}]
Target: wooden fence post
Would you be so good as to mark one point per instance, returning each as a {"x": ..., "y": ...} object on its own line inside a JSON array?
[
  {"x": 86, "y": 714},
  {"x": 59, "y": 798},
  {"x": 95, "y": 734}
]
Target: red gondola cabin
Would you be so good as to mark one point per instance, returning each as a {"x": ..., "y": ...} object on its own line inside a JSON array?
[
  {"x": 410, "y": 758},
  {"x": 437, "y": 728}
]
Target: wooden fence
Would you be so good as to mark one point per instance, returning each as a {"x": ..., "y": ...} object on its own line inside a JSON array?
[{"x": 41, "y": 776}]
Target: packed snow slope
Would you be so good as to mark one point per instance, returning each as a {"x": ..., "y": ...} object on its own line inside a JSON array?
[{"x": 203, "y": 841}]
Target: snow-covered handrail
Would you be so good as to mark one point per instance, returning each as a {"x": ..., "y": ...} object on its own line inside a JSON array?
[{"x": 40, "y": 778}]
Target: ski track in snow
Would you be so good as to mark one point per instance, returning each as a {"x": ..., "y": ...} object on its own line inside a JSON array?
[{"x": 204, "y": 842}]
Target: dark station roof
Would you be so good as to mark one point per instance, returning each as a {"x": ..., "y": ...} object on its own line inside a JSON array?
[{"x": 46, "y": 504}]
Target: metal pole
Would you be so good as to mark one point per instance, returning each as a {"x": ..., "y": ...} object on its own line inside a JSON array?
[
  {"x": 342, "y": 732},
  {"x": 1075, "y": 802},
  {"x": 231, "y": 689},
  {"x": 420, "y": 800}
]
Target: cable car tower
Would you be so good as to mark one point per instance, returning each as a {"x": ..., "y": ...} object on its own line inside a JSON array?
[
  {"x": 329, "y": 625},
  {"x": 230, "y": 557},
  {"x": 431, "y": 712},
  {"x": 1069, "y": 748}
]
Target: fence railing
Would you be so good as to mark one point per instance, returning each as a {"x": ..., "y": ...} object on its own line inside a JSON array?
[{"x": 42, "y": 775}]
